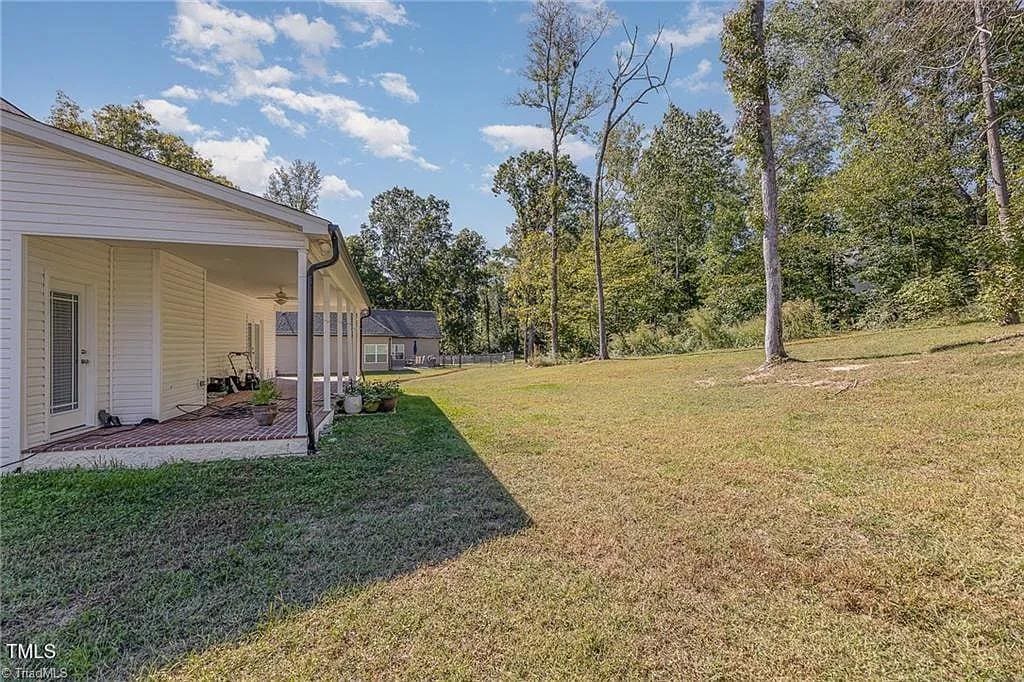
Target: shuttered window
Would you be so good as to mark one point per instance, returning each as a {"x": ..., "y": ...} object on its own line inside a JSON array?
[{"x": 63, "y": 352}]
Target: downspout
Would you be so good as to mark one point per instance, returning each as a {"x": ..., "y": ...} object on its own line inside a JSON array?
[{"x": 335, "y": 233}]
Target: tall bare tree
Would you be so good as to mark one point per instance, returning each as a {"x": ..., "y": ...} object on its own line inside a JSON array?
[
  {"x": 629, "y": 83},
  {"x": 995, "y": 150},
  {"x": 747, "y": 72},
  {"x": 560, "y": 39}
]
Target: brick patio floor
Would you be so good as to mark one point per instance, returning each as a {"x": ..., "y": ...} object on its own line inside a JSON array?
[{"x": 224, "y": 420}]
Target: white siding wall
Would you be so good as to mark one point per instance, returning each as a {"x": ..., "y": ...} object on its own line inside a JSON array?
[
  {"x": 78, "y": 261},
  {"x": 52, "y": 191},
  {"x": 182, "y": 350},
  {"x": 133, "y": 366},
  {"x": 227, "y": 312},
  {"x": 10, "y": 369}
]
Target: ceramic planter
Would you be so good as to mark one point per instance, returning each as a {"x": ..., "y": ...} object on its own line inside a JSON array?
[
  {"x": 388, "y": 404},
  {"x": 264, "y": 414},
  {"x": 353, "y": 404}
]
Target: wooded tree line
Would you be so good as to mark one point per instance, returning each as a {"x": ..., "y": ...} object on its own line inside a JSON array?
[{"x": 893, "y": 189}]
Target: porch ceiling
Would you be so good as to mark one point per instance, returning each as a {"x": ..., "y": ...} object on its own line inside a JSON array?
[{"x": 250, "y": 270}]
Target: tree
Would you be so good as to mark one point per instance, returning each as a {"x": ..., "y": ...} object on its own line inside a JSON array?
[
  {"x": 560, "y": 40},
  {"x": 366, "y": 265},
  {"x": 747, "y": 72},
  {"x": 134, "y": 130},
  {"x": 457, "y": 302},
  {"x": 296, "y": 185},
  {"x": 407, "y": 234},
  {"x": 524, "y": 180},
  {"x": 631, "y": 68}
]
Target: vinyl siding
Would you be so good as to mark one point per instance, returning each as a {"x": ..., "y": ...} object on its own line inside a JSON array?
[
  {"x": 51, "y": 191},
  {"x": 10, "y": 371},
  {"x": 182, "y": 350},
  {"x": 133, "y": 366},
  {"x": 78, "y": 261},
  {"x": 227, "y": 312}
]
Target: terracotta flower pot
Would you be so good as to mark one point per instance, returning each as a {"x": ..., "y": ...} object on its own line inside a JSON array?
[
  {"x": 388, "y": 404},
  {"x": 264, "y": 414}
]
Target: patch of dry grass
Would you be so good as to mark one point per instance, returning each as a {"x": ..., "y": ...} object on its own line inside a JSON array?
[{"x": 859, "y": 514}]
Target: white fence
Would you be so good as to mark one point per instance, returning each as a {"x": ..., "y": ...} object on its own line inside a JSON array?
[{"x": 477, "y": 359}]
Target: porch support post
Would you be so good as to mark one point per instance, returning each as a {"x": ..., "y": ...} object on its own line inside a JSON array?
[
  {"x": 357, "y": 323},
  {"x": 303, "y": 362},
  {"x": 340, "y": 350},
  {"x": 354, "y": 349},
  {"x": 328, "y": 305}
]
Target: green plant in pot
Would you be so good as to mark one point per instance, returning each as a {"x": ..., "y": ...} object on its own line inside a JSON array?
[
  {"x": 371, "y": 396},
  {"x": 389, "y": 392},
  {"x": 263, "y": 403}
]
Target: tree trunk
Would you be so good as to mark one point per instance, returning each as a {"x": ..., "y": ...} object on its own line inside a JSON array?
[
  {"x": 995, "y": 151},
  {"x": 554, "y": 251},
  {"x": 773, "y": 349},
  {"x": 602, "y": 337}
]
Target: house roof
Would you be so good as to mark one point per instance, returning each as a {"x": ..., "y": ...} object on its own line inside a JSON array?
[
  {"x": 18, "y": 122},
  {"x": 412, "y": 324}
]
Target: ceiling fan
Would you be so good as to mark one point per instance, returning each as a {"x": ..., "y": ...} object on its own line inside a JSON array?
[{"x": 280, "y": 298}]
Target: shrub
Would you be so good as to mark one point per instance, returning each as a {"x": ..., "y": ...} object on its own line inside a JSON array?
[
  {"x": 803, "y": 319},
  {"x": 929, "y": 295},
  {"x": 1002, "y": 292},
  {"x": 265, "y": 394}
]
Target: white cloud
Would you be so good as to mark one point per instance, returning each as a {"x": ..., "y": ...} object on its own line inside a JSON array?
[
  {"x": 219, "y": 33},
  {"x": 505, "y": 138},
  {"x": 397, "y": 85},
  {"x": 702, "y": 25},
  {"x": 243, "y": 161},
  {"x": 338, "y": 78},
  {"x": 383, "y": 11},
  {"x": 695, "y": 82},
  {"x": 385, "y": 138},
  {"x": 378, "y": 37},
  {"x": 181, "y": 92},
  {"x": 313, "y": 37},
  {"x": 333, "y": 186},
  {"x": 277, "y": 116},
  {"x": 202, "y": 67},
  {"x": 247, "y": 79},
  {"x": 171, "y": 116}
]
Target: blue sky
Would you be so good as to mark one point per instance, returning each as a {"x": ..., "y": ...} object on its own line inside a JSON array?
[{"x": 377, "y": 93}]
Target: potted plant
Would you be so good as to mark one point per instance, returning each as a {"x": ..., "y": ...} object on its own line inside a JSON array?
[
  {"x": 262, "y": 403},
  {"x": 353, "y": 402},
  {"x": 371, "y": 396},
  {"x": 389, "y": 392}
]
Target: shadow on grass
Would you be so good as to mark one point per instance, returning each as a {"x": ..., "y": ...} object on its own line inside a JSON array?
[{"x": 127, "y": 570}]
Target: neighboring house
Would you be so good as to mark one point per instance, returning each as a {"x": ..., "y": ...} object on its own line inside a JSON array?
[
  {"x": 391, "y": 338},
  {"x": 124, "y": 285}
]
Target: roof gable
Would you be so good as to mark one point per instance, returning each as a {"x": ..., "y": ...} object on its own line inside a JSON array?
[{"x": 413, "y": 324}]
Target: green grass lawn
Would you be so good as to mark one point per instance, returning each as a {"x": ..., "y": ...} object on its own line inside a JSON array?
[{"x": 858, "y": 514}]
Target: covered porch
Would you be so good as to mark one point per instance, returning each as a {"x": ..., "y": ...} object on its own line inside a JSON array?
[{"x": 223, "y": 428}]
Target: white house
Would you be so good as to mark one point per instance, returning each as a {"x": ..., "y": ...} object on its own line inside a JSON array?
[{"x": 125, "y": 284}]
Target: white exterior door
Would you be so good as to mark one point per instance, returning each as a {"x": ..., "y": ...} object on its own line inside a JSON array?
[{"x": 69, "y": 356}]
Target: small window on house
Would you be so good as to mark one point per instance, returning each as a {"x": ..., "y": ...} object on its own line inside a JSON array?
[
  {"x": 398, "y": 351},
  {"x": 375, "y": 353}
]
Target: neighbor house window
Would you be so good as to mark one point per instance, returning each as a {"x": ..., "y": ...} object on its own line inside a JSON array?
[
  {"x": 375, "y": 353},
  {"x": 398, "y": 351}
]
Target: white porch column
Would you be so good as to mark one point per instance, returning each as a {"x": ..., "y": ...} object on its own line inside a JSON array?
[
  {"x": 12, "y": 440},
  {"x": 357, "y": 364},
  {"x": 303, "y": 361},
  {"x": 338, "y": 304},
  {"x": 328, "y": 305}
]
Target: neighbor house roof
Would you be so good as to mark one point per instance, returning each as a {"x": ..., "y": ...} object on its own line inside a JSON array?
[{"x": 411, "y": 324}]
